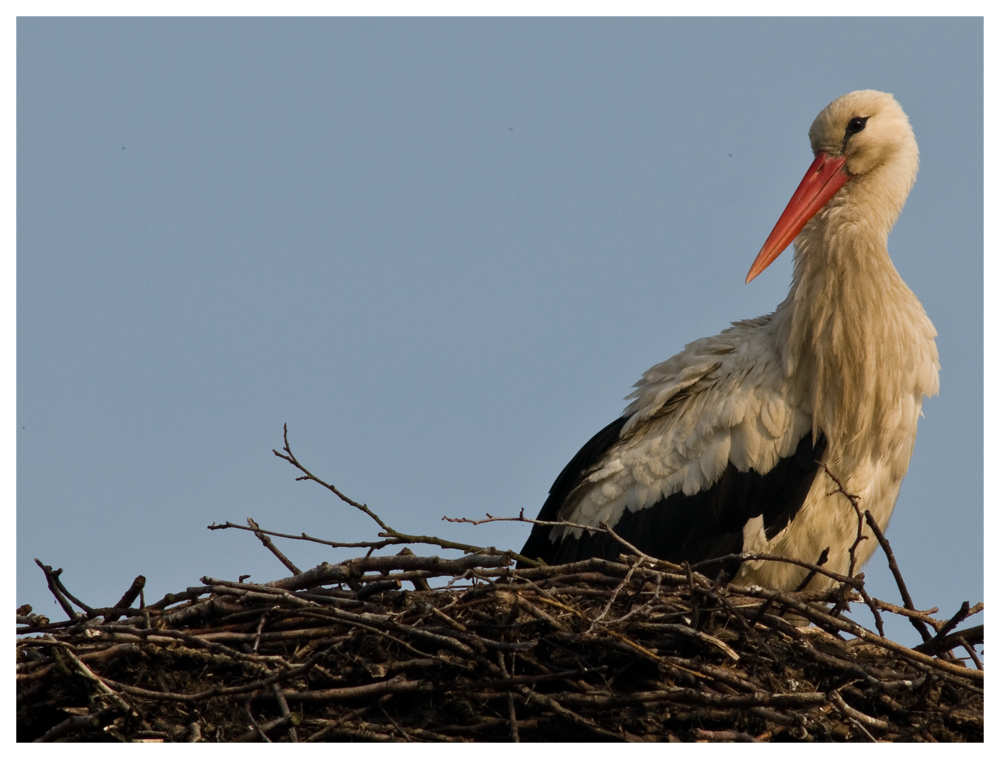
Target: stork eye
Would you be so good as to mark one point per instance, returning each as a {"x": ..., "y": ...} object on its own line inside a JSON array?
[{"x": 856, "y": 124}]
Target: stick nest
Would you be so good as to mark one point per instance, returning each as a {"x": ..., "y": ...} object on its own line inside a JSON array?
[{"x": 366, "y": 650}]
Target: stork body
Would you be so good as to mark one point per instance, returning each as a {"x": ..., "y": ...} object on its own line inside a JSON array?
[{"x": 719, "y": 450}]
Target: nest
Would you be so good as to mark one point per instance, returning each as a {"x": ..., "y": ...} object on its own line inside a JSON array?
[{"x": 366, "y": 650}]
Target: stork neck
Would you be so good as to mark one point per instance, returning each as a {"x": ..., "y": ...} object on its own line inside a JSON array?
[
  {"x": 842, "y": 251},
  {"x": 842, "y": 321}
]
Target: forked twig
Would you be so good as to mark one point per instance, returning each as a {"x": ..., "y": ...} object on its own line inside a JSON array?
[
  {"x": 387, "y": 531},
  {"x": 859, "y": 583}
]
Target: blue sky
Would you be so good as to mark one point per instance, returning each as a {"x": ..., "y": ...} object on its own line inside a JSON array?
[{"x": 440, "y": 250}]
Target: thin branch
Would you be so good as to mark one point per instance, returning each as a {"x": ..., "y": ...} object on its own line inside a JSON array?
[
  {"x": 270, "y": 546},
  {"x": 126, "y": 600},
  {"x": 51, "y": 578},
  {"x": 372, "y": 544},
  {"x": 917, "y": 623},
  {"x": 388, "y": 532},
  {"x": 858, "y": 584},
  {"x": 290, "y": 458},
  {"x": 854, "y": 500}
]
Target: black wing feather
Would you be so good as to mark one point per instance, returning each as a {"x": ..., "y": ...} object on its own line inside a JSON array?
[
  {"x": 539, "y": 545},
  {"x": 682, "y": 527}
]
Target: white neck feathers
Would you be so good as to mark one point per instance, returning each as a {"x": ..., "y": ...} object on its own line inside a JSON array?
[{"x": 854, "y": 336}]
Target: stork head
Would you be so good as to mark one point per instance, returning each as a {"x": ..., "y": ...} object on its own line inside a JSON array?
[
  {"x": 868, "y": 129},
  {"x": 865, "y": 156}
]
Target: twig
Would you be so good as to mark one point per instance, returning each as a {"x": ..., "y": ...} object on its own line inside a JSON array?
[
  {"x": 861, "y": 717},
  {"x": 771, "y": 557},
  {"x": 725, "y": 736},
  {"x": 286, "y": 714},
  {"x": 970, "y": 649},
  {"x": 820, "y": 561},
  {"x": 511, "y": 714},
  {"x": 126, "y": 600},
  {"x": 371, "y": 544},
  {"x": 917, "y": 623},
  {"x": 854, "y": 500},
  {"x": 52, "y": 579},
  {"x": 951, "y": 624},
  {"x": 387, "y": 531},
  {"x": 256, "y": 727},
  {"x": 329, "y": 726},
  {"x": 290, "y": 458},
  {"x": 71, "y": 725},
  {"x": 858, "y": 583},
  {"x": 270, "y": 546},
  {"x": 969, "y": 636}
]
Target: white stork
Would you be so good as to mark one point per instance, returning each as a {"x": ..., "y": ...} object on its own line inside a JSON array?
[{"x": 717, "y": 452}]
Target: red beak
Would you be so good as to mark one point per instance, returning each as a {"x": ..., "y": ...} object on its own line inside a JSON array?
[{"x": 821, "y": 182}]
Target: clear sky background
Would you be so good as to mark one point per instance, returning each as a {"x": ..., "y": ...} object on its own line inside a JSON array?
[{"x": 442, "y": 251}]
